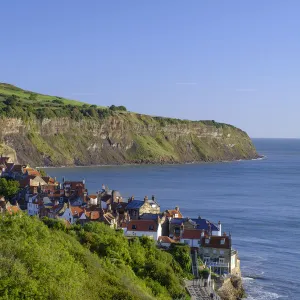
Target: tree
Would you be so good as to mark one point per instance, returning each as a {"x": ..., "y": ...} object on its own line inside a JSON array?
[
  {"x": 8, "y": 188},
  {"x": 11, "y": 100},
  {"x": 32, "y": 96}
]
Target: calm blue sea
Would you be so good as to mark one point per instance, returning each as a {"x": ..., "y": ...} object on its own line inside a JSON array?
[{"x": 258, "y": 201}]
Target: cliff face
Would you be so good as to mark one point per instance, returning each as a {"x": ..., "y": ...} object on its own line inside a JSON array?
[{"x": 121, "y": 138}]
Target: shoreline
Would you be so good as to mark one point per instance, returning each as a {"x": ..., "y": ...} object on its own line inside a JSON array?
[{"x": 260, "y": 157}]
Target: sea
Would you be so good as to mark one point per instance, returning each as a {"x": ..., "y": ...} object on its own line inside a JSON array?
[{"x": 258, "y": 201}]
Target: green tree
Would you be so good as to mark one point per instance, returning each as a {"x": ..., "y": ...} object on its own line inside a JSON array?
[
  {"x": 8, "y": 188},
  {"x": 32, "y": 96}
]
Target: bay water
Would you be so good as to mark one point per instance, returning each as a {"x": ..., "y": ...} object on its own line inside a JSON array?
[{"x": 258, "y": 201}]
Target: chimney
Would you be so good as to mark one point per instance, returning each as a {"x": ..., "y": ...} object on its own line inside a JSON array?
[
  {"x": 146, "y": 199},
  {"x": 153, "y": 197},
  {"x": 220, "y": 228},
  {"x": 130, "y": 199},
  {"x": 181, "y": 230},
  {"x": 83, "y": 181},
  {"x": 199, "y": 217},
  {"x": 177, "y": 208},
  {"x": 99, "y": 202}
]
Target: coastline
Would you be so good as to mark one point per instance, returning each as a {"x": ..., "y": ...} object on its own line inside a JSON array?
[{"x": 260, "y": 157}]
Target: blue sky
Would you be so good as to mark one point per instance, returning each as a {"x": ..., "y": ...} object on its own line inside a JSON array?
[{"x": 231, "y": 61}]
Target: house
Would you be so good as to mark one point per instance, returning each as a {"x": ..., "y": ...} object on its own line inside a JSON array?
[
  {"x": 192, "y": 237},
  {"x": 173, "y": 213},
  {"x": 136, "y": 208},
  {"x": 175, "y": 226},
  {"x": 217, "y": 253},
  {"x": 148, "y": 228},
  {"x": 34, "y": 184},
  {"x": 165, "y": 241},
  {"x": 33, "y": 205},
  {"x": 74, "y": 188},
  {"x": 211, "y": 228}
]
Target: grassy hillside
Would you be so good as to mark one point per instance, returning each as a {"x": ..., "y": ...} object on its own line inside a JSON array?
[
  {"x": 51, "y": 261},
  {"x": 31, "y": 97}
]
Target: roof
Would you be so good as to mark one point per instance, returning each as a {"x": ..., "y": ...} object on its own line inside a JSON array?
[
  {"x": 172, "y": 212},
  {"x": 92, "y": 214},
  {"x": 142, "y": 225},
  {"x": 135, "y": 204},
  {"x": 166, "y": 239},
  {"x": 215, "y": 242},
  {"x": 32, "y": 171},
  {"x": 192, "y": 234},
  {"x": 12, "y": 209},
  {"x": 149, "y": 216},
  {"x": 178, "y": 221},
  {"x": 204, "y": 224},
  {"x": 74, "y": 184},
  {"x": 76, "y": 210}
]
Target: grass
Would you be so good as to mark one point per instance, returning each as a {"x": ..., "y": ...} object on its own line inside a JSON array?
[{"x": 8, "y": 90}]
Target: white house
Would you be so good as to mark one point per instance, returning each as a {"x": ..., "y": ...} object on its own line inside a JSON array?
[
  {"x": 33, "y": 205},
  {"x": 192, "y": 237},
  {"x": 148, "y": 228}
]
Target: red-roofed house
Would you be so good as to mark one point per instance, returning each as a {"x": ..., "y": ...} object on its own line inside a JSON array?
[
  {"x": 148, "y": 228},
  {"x": 192, "y": 237}
]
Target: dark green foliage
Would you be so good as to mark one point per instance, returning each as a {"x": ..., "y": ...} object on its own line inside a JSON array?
[
  {"x": 8, "y": 188},
  {"x": 117, "y": 108},
  {"x": 41, "y": 263},
  {"x": 32, "y": 96},
  {"x": 181, "y": 254},
  {"x": 155, "y": 268},
  {"x": 11, "y": 100}
]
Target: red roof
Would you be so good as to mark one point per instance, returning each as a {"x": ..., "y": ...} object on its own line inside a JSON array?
[
  {"x": 12, "y": 209},
  {"x": 166, "y": 239},
  {"x": 142, "y": 225},
  {"x": 76, "y": 210},
  {"x": 193, "y": 234},
  {"x": 173, "y": 213}
]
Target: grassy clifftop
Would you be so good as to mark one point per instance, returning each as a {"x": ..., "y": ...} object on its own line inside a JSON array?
[{"x": 45, "y": 130}]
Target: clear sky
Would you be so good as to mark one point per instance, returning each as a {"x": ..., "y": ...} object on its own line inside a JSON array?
[{"x": 231, "y": 61}]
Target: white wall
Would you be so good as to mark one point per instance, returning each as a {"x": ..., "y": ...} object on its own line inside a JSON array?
[
  {"x": 67, "y": 215},
  {"x": 191, "y": 242}
]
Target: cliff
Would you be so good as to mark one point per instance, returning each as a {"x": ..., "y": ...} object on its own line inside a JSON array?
[
  {"x": 48, "y": 130},
  {"x": 121, "y": 138}
]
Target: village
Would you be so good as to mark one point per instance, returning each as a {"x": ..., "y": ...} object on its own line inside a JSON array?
[{"x": 70, "y": 201}]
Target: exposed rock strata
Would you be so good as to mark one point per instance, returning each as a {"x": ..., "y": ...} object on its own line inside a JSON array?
[{"x": 123, "y": 138}]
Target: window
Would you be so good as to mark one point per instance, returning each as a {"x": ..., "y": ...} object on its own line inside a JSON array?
[
  {"x": 206, "y": 259},
  {"x": 133, "y": 226},
  {"x": 186, "y": 242},
  {"x": 151, "y": 227},
  {"x": 222, "y": 252},
  {"x": 221, "y": 260},
  {"x": 206, "y": 250},
  {"x": 214, "y": 251},
  {"x": 176, "y": 215},
  {"x": 222, "y": 241},
  {"x": 206, "y": 241},
  {"x": 177, "y": 230}
]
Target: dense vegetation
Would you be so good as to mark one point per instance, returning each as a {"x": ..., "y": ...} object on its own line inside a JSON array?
[
  {"x": 52, "y": 261},
  {"x": 18, "y": 103},
  {"x": 8, "y": 188}
]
